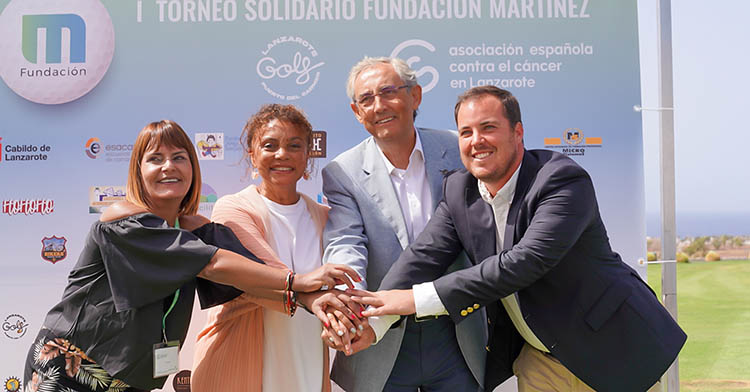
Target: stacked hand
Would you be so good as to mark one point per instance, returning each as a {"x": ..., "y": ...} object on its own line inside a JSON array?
[
  {"x": 345, "y": 320},
  {"x": 327, "y": 275},
  {"x": 344, "y": 327}
]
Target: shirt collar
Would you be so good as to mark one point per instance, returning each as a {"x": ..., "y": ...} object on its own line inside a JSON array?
[
  {"x": 505, "y": 194},
  {"x": 416, "y": 152}
]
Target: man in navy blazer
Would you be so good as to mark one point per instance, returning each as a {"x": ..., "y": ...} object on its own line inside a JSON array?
[{"x": 565, "y": 313}]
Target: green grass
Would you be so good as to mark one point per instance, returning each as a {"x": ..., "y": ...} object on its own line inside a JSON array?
[{"x": 713, "y": 301}]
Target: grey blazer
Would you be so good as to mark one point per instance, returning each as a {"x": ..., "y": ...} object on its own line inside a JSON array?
[{"x": 367, "y": 231}]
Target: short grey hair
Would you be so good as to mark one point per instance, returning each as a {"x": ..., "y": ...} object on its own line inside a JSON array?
[{"x": 407, "y": 75}]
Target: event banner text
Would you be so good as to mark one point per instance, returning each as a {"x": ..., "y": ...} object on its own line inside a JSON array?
[{"x": 202, "y": 11}]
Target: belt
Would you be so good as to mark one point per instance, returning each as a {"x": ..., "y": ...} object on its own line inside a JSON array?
[{"x": 413, "y": 318}]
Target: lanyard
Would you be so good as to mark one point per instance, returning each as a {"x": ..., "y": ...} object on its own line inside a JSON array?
[{"x": 174, "y": 299}]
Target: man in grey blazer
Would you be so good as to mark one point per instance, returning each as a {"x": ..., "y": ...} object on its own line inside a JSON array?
[{"x": 382, "y": 192}]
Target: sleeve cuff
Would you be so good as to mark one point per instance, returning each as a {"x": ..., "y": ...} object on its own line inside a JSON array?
[
  {"x": 427, "y": 301},
  {"x": 381, "y": 325}
]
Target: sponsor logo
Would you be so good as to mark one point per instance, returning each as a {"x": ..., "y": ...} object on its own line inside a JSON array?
[
  {"x": 413, "y": 60},
  {"x": 24, "y": 152},
  {"x": 15, "y": 326},
  {"x": 53, "y": 249},
  {"x": 94, "y": 149},
  {"x": 55, "y": 52},
  {"x": 573, "y": 142},
  {"x": 28, "y": 207},
  {"x": 103, "y": 196},
  {"x": 1, "y": 149},
  {"x": 318, "y": 148},
  {"x": 181, "y": 381},
  {"x": 53, "y": 26},
  {"x": 208, "y": 199},
  {"x": 289, "y": 68},
  {"x": 13, "y": 384},
  {"x": 210, "y": 146}
]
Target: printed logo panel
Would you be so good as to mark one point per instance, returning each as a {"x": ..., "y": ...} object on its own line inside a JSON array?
[
  {"x": 12, "y": 384},
  {"x": 15, "y": 326},
  {"x": 53, "y": 249},
  {"x": 23, "y": 153},
  {"x": 289, "y": 68},
  {"x": 55, "y": 52},
  {"x": 103, "y": 196},
  {"x": 28, "y": 206},
  {"x": 573, "y": 142},
  {"x": 210, "y": 146}
]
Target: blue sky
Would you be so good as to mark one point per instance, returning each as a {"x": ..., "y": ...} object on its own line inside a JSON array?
[{"x": 711, "y": 87}]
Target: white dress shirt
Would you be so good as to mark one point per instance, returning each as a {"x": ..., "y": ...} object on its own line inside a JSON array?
[
  {"x": 426, "y": 299},
  {"x": 413, "y": 192}
]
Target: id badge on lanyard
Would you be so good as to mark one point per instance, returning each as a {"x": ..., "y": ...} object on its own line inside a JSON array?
[{"x": 167, "y": 352}]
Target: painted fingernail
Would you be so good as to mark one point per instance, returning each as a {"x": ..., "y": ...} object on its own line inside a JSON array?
[
  {"x": 353, "y": 330},
  {"x": 327, "y": 324},
  {"x": 351, "y": 316},
  {"x": 360, "y": 314},
  {"x": 361, "y": 328},
  {"x": 340, "y": 333},
  {"x": 330, "y": 339}
]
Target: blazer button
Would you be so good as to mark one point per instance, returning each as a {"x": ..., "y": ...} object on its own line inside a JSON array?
[
  {"x": 487, "y": 348},
  {"x": 469, "y": 309},
  {"x": 476, "y": 306},
  {"x": 464, "y": 313}
]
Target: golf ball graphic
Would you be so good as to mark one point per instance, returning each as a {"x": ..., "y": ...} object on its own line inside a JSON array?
[{"x": 53, "y": 52}]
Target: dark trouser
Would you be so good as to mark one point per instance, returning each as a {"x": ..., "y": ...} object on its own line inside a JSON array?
[{"x": 430, "y": 360}]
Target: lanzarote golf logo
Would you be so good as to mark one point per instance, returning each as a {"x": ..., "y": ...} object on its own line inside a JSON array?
[
  {"x": 289, "y": 68},
  {"x": 55, "y": 52}
]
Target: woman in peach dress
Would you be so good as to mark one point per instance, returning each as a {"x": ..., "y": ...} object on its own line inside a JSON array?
[{"x": 251, "y": 343}]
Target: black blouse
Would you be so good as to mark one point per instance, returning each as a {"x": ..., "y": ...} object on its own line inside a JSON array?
[{"x": 114, "y": 302}]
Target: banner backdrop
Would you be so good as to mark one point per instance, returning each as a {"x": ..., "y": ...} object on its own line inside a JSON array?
[{"x": 82, "y": 77}]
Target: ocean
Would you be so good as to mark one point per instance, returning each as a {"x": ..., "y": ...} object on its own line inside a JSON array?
[{"x": 690, "y": 224}]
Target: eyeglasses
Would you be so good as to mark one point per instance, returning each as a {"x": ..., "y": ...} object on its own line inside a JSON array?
[{"x": 387, "y": 92}]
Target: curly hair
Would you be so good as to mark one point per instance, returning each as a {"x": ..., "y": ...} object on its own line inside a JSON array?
[{"x": 252, "y": 131}]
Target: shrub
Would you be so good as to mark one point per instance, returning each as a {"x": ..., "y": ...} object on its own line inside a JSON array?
[
  {"x": 651, "y": 256},
  {"x": 682, "y": 257},
  {"x": 712, "y": 256}
]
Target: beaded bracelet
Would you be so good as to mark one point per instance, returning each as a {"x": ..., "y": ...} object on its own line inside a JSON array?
[{"x": 290, "y": 297}]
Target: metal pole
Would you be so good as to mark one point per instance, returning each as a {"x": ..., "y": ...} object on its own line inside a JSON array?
[{"x": 671, "y": 379}]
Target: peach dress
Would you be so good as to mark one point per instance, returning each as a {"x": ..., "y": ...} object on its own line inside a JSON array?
[{"x": 229, "y": 350}]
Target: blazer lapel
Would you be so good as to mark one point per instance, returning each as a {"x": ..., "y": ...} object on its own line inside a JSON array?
[
  {"x": 435, "y": 164},
  {"x": 525, "y": 177},
  {"x": 481, "y": 222},
  {"x": 378, "y": 185}
]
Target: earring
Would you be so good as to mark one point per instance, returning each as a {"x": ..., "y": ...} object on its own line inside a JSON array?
[
  {"x": 306, "y": 175},
  {"x": 254, "y": 174}
]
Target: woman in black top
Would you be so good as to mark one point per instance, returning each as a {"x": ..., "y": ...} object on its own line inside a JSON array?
[{"x": 132, "y": 289}]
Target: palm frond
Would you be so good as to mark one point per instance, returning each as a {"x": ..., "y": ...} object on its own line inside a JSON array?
[
  {"x": 94, "y": 376},
  {"x": 48, "y": 379},
  {"x": 118, "y": 386},
  {"x": 38, "y": 353}
]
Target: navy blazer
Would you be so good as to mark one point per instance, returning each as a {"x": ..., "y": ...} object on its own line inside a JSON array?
[{"x": 591, "y": 310}]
